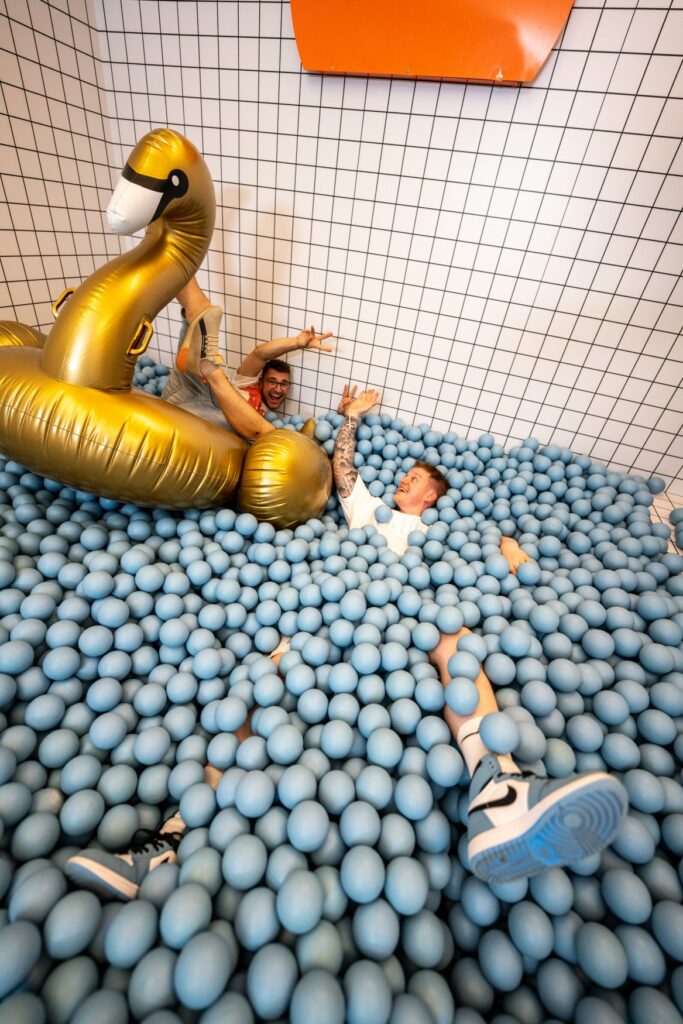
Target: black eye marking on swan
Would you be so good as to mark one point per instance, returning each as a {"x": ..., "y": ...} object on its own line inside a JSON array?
[{"x": 173, "y": 186}]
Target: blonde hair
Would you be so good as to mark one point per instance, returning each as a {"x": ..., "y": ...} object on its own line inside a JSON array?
[{"x": 436, "y": 476}]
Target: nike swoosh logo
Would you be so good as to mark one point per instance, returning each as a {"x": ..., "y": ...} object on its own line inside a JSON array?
[{"x": 503, "y": 801}]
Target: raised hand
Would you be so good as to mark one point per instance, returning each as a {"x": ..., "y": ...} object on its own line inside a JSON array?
[
  {"x": 309, "y": 339},
  {"x": 348, "y": 395},
  {"x": 363, "y": 403}
]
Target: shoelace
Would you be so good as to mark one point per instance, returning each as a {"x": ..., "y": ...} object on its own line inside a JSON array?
[
  {"x": 516, "y": 775},
  {"x": 212, "y": 352},
  {"x": 210, "y": 345},
  {"x": 527, "y": 775},
  {"x": 155, "y": 841}
]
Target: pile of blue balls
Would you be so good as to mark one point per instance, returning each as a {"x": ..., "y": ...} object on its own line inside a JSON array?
[{"x": 326, "y": 877}]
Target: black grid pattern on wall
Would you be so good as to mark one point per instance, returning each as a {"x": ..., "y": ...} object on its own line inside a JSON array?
[
  {"x": 55, "y": 163},
  {"x": 492, "y": 258}
]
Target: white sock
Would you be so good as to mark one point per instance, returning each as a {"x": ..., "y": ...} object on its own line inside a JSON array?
[
  {"x": 473, "y": 748},
  {"x": 471, "y": 744},
  {"x": 174, "y": 824}
]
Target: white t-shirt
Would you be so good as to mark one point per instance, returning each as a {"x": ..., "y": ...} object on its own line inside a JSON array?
[{"x": 359, "y": 509}]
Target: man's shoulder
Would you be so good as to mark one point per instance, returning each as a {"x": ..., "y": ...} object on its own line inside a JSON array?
[{"x": 242, "y": 381}]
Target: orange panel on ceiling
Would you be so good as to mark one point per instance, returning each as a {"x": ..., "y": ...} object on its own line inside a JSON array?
[{"x": 485, "y": 39}]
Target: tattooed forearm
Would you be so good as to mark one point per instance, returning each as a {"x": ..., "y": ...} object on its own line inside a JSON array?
[{"x": 345, "y": 473}]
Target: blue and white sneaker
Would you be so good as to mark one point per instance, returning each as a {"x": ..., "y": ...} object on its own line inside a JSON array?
[
  {"x": 520, "y": 824},
  {"x": 119, "y": 875}
]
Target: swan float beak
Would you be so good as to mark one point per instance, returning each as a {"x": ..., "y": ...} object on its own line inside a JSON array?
[
  {"x": 139, "y": 199},
  {"x": 131, "y": 207}
]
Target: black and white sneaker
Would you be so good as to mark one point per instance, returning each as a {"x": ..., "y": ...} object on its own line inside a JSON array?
[{"x": 119, "y": 875}]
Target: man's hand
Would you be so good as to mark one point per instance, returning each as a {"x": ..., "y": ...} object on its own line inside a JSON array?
[
  {"x": 306, "y": 339},
  {"x": 513, "y": 554},
  {"x": 362, "y": 403},
  {"x": 348, "y": 395},
  {"x": 309, "y": 339}
]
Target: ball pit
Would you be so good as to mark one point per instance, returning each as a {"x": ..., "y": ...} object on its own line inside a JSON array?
[{"x": 328, "y": 869}]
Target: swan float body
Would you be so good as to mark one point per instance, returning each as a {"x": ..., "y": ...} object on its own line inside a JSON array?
[{"x": 67, "y": 408}]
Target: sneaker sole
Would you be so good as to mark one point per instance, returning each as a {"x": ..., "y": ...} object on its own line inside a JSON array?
[
  {"x": 562, "y": 829},
  {"x": 181, "y": 360},
  {"x": 183, "y": 354},
  {"x": 100, "y": 879}
]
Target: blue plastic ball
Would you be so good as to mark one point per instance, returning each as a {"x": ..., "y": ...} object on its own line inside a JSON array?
[
  {"x": 71, "y": 925},
  {"x": 186, "y": 912},
  {"x": 20, "y": 949},
  {"x": 131, "y": 933},
  {"x": 499, "y": 732},
  {"x": 368, "y": 995},
  {"x": 317, "y": 993},
  {"x": 362, "y": 874},
  {"x": 601, "y": 955},
  {"x": 308, "y": 826},
  {"x": 407, "y": 885},
  {"x": 271, "y": 978},
  {"x": 299, "y": 902}
]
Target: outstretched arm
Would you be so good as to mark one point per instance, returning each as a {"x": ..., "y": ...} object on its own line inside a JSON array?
[
  {"x": 256, "y": 360},
  {"x": 345, "y": 473}
]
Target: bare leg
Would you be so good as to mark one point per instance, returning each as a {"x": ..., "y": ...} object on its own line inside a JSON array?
[
  {"x": 244, "y": 420},
  {"x": 465, "y": 728},
  {"x": 192, "y": 299},
  {"x": 440, "y": 657}
]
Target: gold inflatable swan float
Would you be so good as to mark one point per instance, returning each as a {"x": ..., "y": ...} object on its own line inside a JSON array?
[{"x": 67, "y": 408}]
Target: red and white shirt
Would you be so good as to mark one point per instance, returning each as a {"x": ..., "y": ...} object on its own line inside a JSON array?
[{"x": 250, "y": 389}]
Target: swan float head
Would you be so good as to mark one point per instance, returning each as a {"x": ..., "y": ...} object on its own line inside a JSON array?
[
  {"x": 165, "y": 188},
  {"x": 147, "y": 183},
  {"x": 162, "y": 168},
  {"x": 138, "y": 199}
]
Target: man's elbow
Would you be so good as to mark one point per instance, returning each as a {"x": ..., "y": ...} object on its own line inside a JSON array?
[{"x": 266, "y": 428}]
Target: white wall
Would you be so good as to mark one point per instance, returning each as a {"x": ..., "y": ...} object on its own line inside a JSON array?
[
  {"x": 55, "y": 164},
  {"x": 503, "y": 259}
]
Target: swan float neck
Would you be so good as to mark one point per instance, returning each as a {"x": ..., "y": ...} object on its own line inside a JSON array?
[{"x": 105, "y": 325}]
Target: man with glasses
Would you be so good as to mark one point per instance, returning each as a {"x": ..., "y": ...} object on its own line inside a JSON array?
[{"x": 199, "y": 381}]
